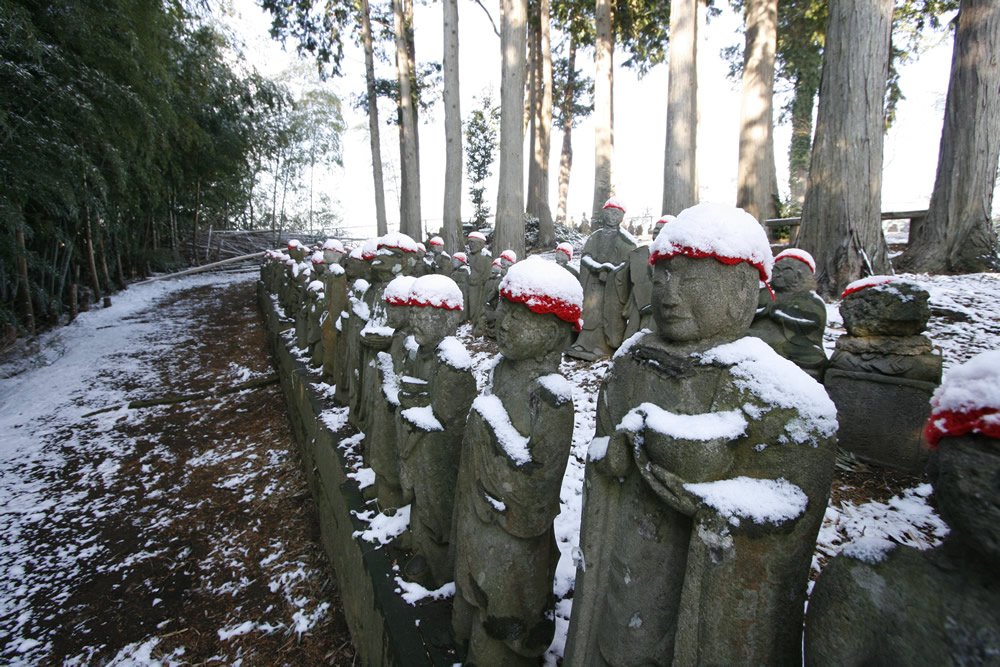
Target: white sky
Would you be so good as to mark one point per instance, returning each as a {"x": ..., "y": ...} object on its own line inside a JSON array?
[{"x": 911, "y": 146}]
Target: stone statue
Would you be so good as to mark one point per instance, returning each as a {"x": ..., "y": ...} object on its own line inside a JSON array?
[
  {"x": 395, "y": 254},
  {"x": 640, "y": 310},
  {"x": 885, "y": 605},
  {"x": 381, "y": 437},
  {"x": 517, "y": 443},
  {"x": 883, "y": 372},
  {"x": 425, "y": 263},
  {"x": 793, "y": 320},
  {"x": 480, "y": 266},
  {"x": 460, "y": 274},
  {"x": 335, "y": 288},
  {"x": 442, "y": 260},
  {"x": 604, "y": 276},
  {"x": 436, "y": 389},
  {"x": 357, "y": 267},
  {"x": 709, "y": 473},
  {"x": 491, "y": 298},
  {"x": 315, "y": 308},
  {"x": 564, "y": 253}
]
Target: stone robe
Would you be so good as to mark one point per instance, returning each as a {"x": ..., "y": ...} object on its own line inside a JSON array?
[
  {"x": 664, "y": 583},
  {"x": 480, "y": 267},
  {"x": 605, "y": 302}
]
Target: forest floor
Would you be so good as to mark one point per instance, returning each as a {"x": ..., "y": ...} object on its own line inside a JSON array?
[{"x": 183, "y": 531}]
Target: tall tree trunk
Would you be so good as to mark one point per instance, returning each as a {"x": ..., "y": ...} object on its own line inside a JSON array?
[
  {"x": 91, "y": 263},
  {"x": 841, "y": 217},
  {"x": 957, "y": 234},
  {"x": 604, "y": 137},
  {"x": 680, "y": 177},
  {"x": 800, "y": 147},
  {"x": 531, "y": 112},
  {"x": 566, "y": 155},
  {"x": 409, "y": 206},
  {"x": 452, "y": 211},
  {"x": 373, "y": 129},
  {"x": 197, "y": 213},
  {"x": 755, "y": 191},
  {"x": 23, "y": 285},
  {"x": 510, "y": 194},
  {"x": 543, "y": 128}
]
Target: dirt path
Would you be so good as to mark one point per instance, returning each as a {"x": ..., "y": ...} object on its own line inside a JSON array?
[{"x": 182, "y": 532}]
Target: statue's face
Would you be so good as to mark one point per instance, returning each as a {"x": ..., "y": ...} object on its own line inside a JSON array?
[
  {"x": 396, "y": 316},
  {"x": 967, "y": 487},
  {"x": 387, "y": 266},
  {"x": 476, "y": 245},
  {"x": 522, "y": 333},
  {"x": 561, "y": 258},
  {"x": 613, "y": 217},
  {"x": 698, "y": 299},
  {"x": 790, "y": 275},
  {"x": 431, "y": 325},
  {"x": 355, "y": 268}
]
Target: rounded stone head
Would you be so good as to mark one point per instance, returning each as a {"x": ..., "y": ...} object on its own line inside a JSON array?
[
  {"x": 435, "y": 308},
  {"x": 887, "y": 308},
  {"x": 614, "y": 213},
  {"x": 476, "y": 242},
  {"x": 396, "y": 296},
  {"x": 966, "y": 479},
  {"x": 792, "y": 276},
  {"x": 523, "y": 334},
  {"x": 708, "y": 264},
  {"x": 540, "y": 306},
  {"x": 564, "y": 253}
]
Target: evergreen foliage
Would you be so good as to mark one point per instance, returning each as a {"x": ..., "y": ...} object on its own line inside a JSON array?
[{"x": 481, "y": 131}]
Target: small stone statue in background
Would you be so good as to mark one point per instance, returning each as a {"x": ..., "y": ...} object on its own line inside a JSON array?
[
  {"x": 793, "y": 319},
  {"x": 358, "y": 268},
  {"x": 480, "y": 266},
  {"x": 491, "y": 298},
  {"x": 381, "y": 439},
  {"x": 436, "y": 389},
  {"x": 564, "y": 253},
  {"x": 881, "y": 604},
  {"x": 604, "y": 277},
  {"x": 442, "y": 260},
  {"x": 517, "y": 443},
  {"x": 709, "y": 474},
  {"x": 460, "y": 274},
  {"x": 315, "y": 308},
  {"x": 640, "y": 274},
  {"x": 335, "y": 288},
  {"x": 883, "y": 372}
]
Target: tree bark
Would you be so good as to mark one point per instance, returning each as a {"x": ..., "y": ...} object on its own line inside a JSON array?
[
  {"x": 510, "y": 196},
  {"x": 543, "y": 128},
  {"x": 452, "y": 213},
  {"x": 197, "y": 212},
  {"x": 957, "y": 234},
  {"x": 566, "y": 155},
  {"x": 680, "y": 177},
  {"x": 91, "y": 263},
  {"x": 841, "y": 217},
  {"x": 755, "y": 190},
  {"x": 604, "y": 136},
  {"x": 409, "y": 204},
  {"x": 23, "y": 286},
  {"x": 374, "y": 139},
  {"x": 800, "y": 147}
]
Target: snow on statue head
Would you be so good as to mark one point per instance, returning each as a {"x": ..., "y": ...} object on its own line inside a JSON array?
[
  {"x": 884, "y": 306},
  {"x": 436, "y": 308},
  {"x": 614, "y": 212},
  {"x": 707, "y": 265},
  {"x": 794, "y": 271},
  {"x": 393, "y": 256},
  {"x": 541, "y": 303},
  {"x": 564, "y": 253},
  {"x": 397, "y": 298}
]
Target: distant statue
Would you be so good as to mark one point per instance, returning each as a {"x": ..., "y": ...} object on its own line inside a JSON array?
[
  {"x": 564, "y": 253},
  {"x": 358, "y": 269},
  {"x": 442, "y": 260},
  {"x": 793, "y": 320},
  {"x": 335, "y": 288},
  {"x": 517, "y": 444},
  {"x": 480, "y": 266},
  {"x": 880, "y": 604},
  {"x": 460, "y": 273},
  {"x": 584, "y": 224},
  {"x": 709, "y": 473},
  {"x": 436, "y": 389},
  {"x": 640, "y": 275},
  {"x": 604, "y": 277}
]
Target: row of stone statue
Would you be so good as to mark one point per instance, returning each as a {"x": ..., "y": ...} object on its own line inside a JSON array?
[{"x": 706, "y": 481}]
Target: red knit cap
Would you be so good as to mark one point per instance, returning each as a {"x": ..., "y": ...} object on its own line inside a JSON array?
[
  {"x": 436, "y": 291},
  {"x": 968, "y": 401},
  {"x": 545, "y": 287},
  {"x": 801, "y": 255},
  {"x": 870, "y": 281}
]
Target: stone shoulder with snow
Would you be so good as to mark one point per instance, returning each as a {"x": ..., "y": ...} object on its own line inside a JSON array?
[{"x": 709, "y": 472}]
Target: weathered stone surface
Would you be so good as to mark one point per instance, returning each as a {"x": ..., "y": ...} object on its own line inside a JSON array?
[
  {"x": 936, "y": 607},
  {"x": 892, "y": 309},
  {"x": 480, "y": 267}
]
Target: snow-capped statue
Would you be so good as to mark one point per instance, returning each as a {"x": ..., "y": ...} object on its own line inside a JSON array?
[
  {"x": 709, "y": 473},
  {"x": 355, "y": 316},
  {"x": 640, "y": 275},
  {"x": 517, "y": 443},
  {"x": 460, "y": 273},
  {"x": 604, "y": 277},
  {"x": 793, "y": 319},
  {"x": 564, "y": 253},
  {"x": 942, "y": 605},
  {"x": 436, "y": 389}
]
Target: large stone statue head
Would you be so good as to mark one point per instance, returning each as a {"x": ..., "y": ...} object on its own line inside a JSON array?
[
  {"x": 333, "y": 252},
  {"x": 794, "y": 272},
  {"x": 393, "y": 256},
  {"x": 477, "y": 241},
  {"x": 964, "y": 427},
  {"x": 540, "y": 307},
  {"x": 707, "y": 265},
  {"x": 436, "y": 308},
  {"x": 397, "y": 296},
  {"x": 318, "y": 264},
  {"x": 356, "y": 266},
  {"x": 884, "y": 306},
  {"x": 614, "y": 213}
]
